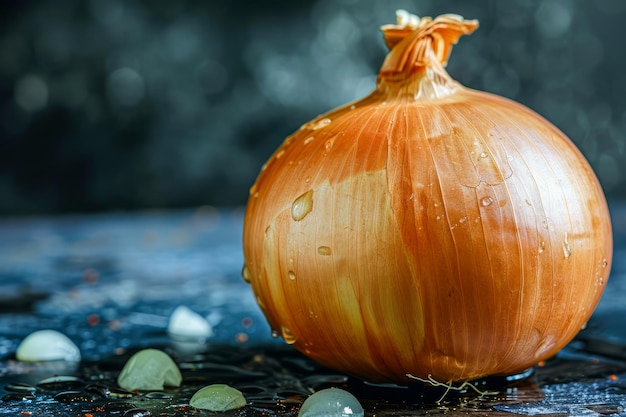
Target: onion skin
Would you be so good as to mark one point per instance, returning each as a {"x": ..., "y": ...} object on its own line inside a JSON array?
[{"x": 427, "y": 229}]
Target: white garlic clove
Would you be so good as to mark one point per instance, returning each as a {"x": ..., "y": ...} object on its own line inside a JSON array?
[
  {"x": 331, "y": 402},
  {"x": 186, "y": 323},
  {"x": 218, "y": 397},
  {"x": 149, "y": 370},
  {"x": 47, "y": 345}
]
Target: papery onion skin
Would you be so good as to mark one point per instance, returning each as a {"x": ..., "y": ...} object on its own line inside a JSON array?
[{"x": 427, "y": 229}]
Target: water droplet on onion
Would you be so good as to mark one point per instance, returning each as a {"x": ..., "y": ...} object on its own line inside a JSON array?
[
  {"x": 324, "y": 250},
  {"x": 302, "y": 206},
  {"x": 486, "y": 201},
  {"x": 287, "y": 335},
  {"x": 292, "y": 275},
  {"x": 245, "y": 274},
  {"x": 317, "y": 124},
  {"x": 567, "y": 250}
]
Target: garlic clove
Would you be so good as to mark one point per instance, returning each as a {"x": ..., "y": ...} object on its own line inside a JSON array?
[
  {"x": 186, "y": 323},
  {"x": 218, "y": 397},
  {"x": 149, "y": 370},
  {"x": 47, "y": 345},
  {"x": 331, "y": 402}
]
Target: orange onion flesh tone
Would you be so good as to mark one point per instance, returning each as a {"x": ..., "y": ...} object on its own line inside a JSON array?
[{"x": 427, "y": 229}]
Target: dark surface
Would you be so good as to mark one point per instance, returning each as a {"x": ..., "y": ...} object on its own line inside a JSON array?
[
  {"x": 110, "y": 282},
  {"x": 139, "y": 104}
]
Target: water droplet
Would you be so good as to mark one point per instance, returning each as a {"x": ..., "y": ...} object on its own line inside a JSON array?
[
  {"x": 436, "y": 204},
  {"x": 307, "y": 180},
  {"x": 302, "y": 206},
  {"x": 352, "y": 107},
  {"x": 462, "y": 219},
  {"x": 106, "y": 391},
  {"x": 137, "y": 412},
  {"x": 484, "y": 154},
  {"x": 280, "y": 153},
  {"x": 486, "y": 201},
  {"x": 61, "y": 383},
  {"x": 69, "y": 397},
  {"x": 292, "y": 275},
  {"x": 317, "y": 124},
  {"x": 158, "y": 395},
  {"x": 567, "y": 250},
  {"x": 117, "y": 407},
  {"x": 542, "y": 246},
  {"x": 245, "y": 273},
  {"x": 275, "y": 334},
  {"x": 412, "y": 197},
  {"x": 20, "y": 387},
  {"x": 287, "y": 335},
  {"x": 252, "y": 189},
  {"x": 604, "y": 263},
  {"x": 308, "y": 140},
  {"x": 438, "y": 217},
  {"x": 15, "y": 396},
  {"x": 324, "y": 250}
]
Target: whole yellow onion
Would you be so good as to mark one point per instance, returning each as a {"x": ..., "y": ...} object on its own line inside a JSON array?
[{"x": 427, "y": 229}]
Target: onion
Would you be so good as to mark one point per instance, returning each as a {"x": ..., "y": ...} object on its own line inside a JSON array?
[{"x": 427, "y": 229}]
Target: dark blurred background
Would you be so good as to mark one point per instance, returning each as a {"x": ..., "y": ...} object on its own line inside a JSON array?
[{"x": 122, "y": 105}]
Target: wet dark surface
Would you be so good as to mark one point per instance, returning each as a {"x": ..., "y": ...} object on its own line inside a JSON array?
[{"x": 110, "y": 282}]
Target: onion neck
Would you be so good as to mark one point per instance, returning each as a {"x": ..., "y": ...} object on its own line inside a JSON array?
[{"x": 420, "y": 48}]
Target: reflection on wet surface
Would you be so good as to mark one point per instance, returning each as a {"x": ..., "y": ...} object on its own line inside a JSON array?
[{"x": 111, "y": 282}]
